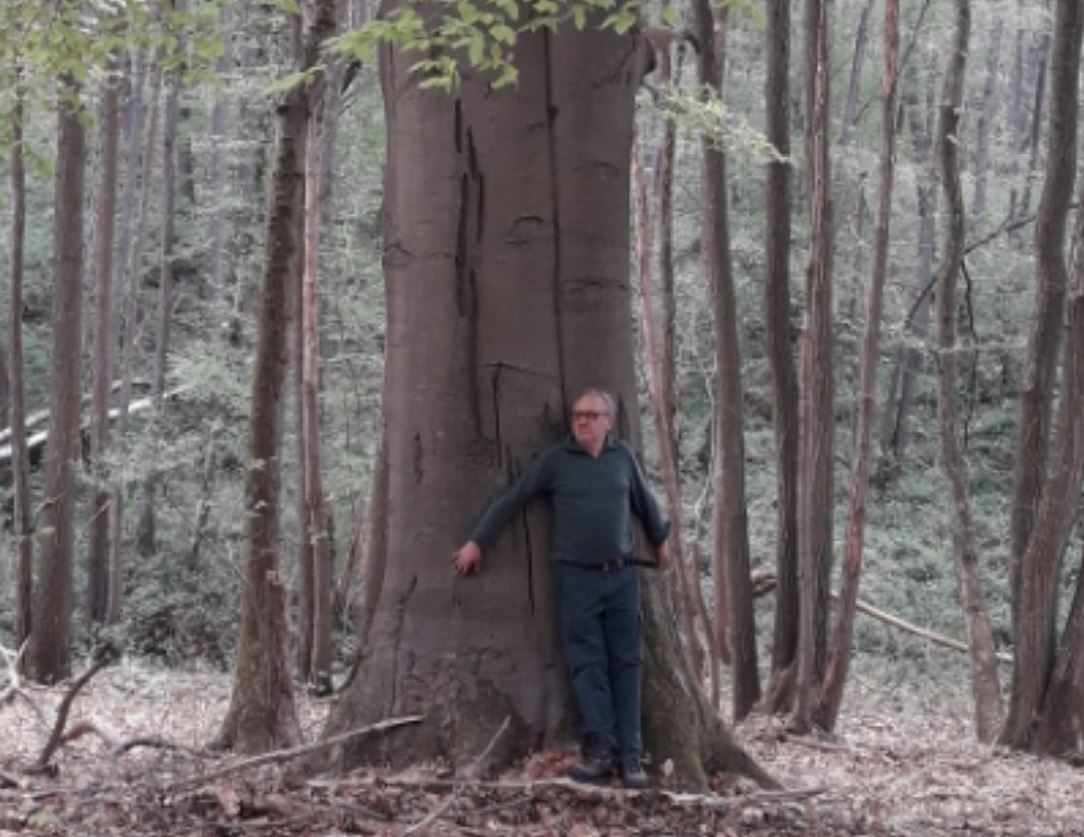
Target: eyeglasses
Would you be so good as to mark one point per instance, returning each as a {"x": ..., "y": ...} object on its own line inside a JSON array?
[{"x": 587, "y": 415}]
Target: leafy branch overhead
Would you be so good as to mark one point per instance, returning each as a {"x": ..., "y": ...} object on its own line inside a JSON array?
[{"x": 451, "y": 34}]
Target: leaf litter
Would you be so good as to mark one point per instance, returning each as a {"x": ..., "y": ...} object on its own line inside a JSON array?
[{"x": 903, "y": 764}]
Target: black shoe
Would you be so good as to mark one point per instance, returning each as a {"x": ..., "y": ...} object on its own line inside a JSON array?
[
  {"x": 633, "y": 776},
  {"x": 595, "y": 768}
]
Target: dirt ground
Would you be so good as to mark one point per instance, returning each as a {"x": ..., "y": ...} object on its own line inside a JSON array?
[{"x": 902, "y": 765}]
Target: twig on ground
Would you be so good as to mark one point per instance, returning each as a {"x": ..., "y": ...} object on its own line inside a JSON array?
[
  {"x": 119, "y": 746},
  {"x": 57, "y": 736},
  {"x": 278, "y": 756},
  {"x": 440, "y": 809}
]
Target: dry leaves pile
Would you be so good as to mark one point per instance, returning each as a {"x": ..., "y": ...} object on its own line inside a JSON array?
[{"x": 905, "y": 766}]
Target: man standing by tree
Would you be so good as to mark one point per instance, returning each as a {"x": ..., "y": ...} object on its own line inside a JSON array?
[{"x": 594, "y": 485}]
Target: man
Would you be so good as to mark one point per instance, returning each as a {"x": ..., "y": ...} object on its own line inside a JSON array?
[{"x": 594, "y": 485}]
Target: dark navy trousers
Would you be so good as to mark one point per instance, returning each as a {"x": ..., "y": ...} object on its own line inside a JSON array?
[{"x": 600, "y": 622}]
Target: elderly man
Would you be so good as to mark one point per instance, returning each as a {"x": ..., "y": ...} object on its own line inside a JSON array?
[{"x": 594, "y": 486}]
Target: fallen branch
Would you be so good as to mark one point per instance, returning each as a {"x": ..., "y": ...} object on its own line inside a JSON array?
[
  {"x": 57, "y": 737},
  {"x": 118, "y": 746},
  {"x": 278, "y": 756},
  {"x": 764, "y": 583},
  {"x": 435, "y": 814}
]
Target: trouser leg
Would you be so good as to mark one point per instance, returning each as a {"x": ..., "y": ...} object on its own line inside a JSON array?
[
  {"x": 582, "y": 600},
  {"x": 622, "y": 628}
]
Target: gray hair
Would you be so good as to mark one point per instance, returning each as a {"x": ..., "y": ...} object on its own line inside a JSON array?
[{"x": 602, "y": 395}]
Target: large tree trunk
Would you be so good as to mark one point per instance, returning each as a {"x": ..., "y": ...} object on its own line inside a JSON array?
[
  {"x": 49, "y": 653},
  {"x": 728, "y": 478},
  {"x": 985, "y": 688},
  {"x": 777, "y": 231},
  {"x": 98, "y": 579},
  {"x": 24, "y": 544},
  {"x": 816, "y": 381},
  {"x": 839, "y": 660},
  {"x": 506, "y": 258},
  {"x": 1035, "y": 567}
]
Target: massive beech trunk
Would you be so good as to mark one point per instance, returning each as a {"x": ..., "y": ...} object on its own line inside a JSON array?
[
  {"x": 1037, "y": 549},
  {"x": 815, "y": 376},
  {"x": 49, "y": 653},
  {"x": 839, "y": 661},
  {"x": 24, "y": 544},
  {"x": 985, "y": 688},
  {"x": 731, "y": 539},
  {"x": 777, "y": 229},
  {"x": 98, "y": 579},
  {"x": 506, "y": 259}
]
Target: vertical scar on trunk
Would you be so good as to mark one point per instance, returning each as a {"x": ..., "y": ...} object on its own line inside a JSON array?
[
  {"x": 419, "y": 454},
  {"x": 495, "y": 388},
  {"x": 555, "y": 199}
]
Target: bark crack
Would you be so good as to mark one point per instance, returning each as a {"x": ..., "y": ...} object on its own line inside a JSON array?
[
  {"x": 555, "y": 198},
  {"x": 400, "y": 620}
]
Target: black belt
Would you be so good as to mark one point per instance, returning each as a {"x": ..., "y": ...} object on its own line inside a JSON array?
[{"x": 615, "y": 564}]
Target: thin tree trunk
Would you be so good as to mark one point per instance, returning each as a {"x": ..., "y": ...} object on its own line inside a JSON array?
[
  {"x": 1037, "y": 553},
  {"x": 815, "y": 376},
  {"x": 342, "y": 604},
  {"x": 316, "y": 511},
  {"x": 129, "y": 308},
  {"x": 688, "y": 574},
  {"x": 987, "y": 112},
  {"x": 777, "y": 230},
  {"x": 1058, "y": 729},
  {"x": 217, "y": 190},
  {"x": 854, "y": 83},
  {"x": 374, "y": 559},
  {"x": 98, "y": 578},
  {"x": 840, "y": 656},
  {"x": 729, "y": 471},
  {"x": 203, "y": 510},
  {"x": 986, "y": 691},
  {"x": 895, "y": 426},
  {"x": 24, "y": 543},
  {"x": 1042, "y": 55},
  {"x": 48, "y": 656},
  {"x": 146, "y": 537},
  {"x": 262, "y": 714}
]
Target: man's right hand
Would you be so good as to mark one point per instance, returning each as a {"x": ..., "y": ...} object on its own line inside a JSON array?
[{"x": 467, "y": 559}]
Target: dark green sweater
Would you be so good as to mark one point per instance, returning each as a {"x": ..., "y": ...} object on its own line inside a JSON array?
[{"x": 592, "y": 501}]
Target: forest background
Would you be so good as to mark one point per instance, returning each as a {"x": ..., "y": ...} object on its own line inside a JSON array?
[{"x": 194, "y": 93}]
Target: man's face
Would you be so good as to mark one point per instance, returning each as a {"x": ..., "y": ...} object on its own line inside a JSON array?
[{"x": 591, "y": 421}]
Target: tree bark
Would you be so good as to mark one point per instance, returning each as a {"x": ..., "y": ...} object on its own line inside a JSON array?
[
  {"x": 815, "y": 376},
  {"x": 839, "y": 660},
  {"x": 48, "y": 656},
  {"x": 688, "y": 572},
  {"x": 895, "y": 426},
  {"x": 986, "y": 690},
  {"x": 20, "y": 469},
  {"x": 1058, "y": 729},
  {"x": 1037, "y": 551},
  {"x": 506, "y": 257},
  {"x": 145, "y": 534},
  {"x": 987, "y": 112},
  {"x": 777, "y": 228},
  {"x": 98, "y": 565},
  {"x": 262, "y": 714},
  {"x": 132, "y": 253},
  {"x": 728, "y": 479}
]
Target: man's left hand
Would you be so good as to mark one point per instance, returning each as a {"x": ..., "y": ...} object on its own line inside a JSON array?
[{"x": 662, "y": 555}]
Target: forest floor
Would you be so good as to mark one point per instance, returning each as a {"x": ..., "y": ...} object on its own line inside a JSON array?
[{"x": 904, "y": 764}]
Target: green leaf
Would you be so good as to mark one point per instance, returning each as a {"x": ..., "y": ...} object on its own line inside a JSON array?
[
  {"x": 503, "y": 34},
  {"x": 670, "y": 15}
]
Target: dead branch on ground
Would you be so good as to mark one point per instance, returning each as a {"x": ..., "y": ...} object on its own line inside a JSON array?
[
  {"x": 278, "y": 756},
  {"x": 437, "y": 812}
]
